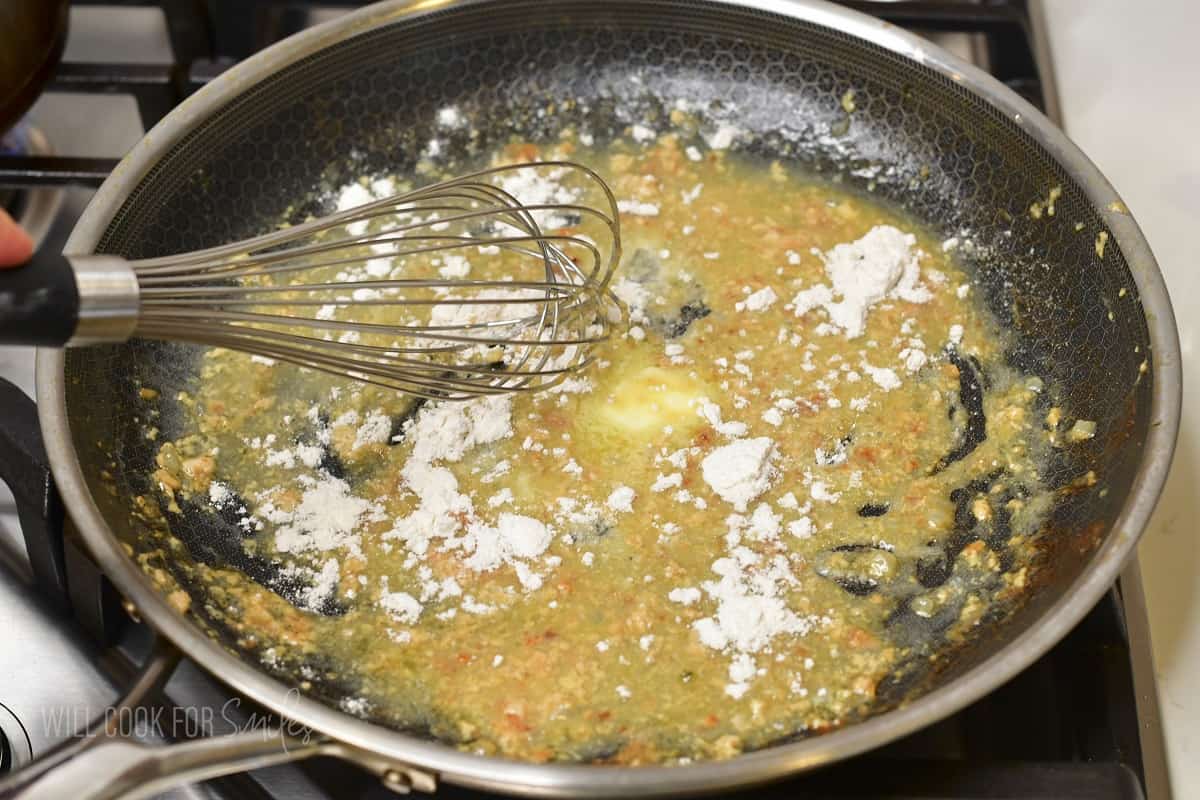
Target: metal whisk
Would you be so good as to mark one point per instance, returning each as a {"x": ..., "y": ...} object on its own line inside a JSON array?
[{"x": 379, "y": 293}]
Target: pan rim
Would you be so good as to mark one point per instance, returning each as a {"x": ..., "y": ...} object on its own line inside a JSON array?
[{"x": 515, "y": 777}]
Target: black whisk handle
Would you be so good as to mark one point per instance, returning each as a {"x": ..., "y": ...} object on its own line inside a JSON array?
[{"x": 39, "y": 301}]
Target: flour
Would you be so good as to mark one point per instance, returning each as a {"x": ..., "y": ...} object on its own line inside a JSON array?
[
  {"x": 446, "y": 431},
  {"x": 310, "y": 455},
  {"x": 751, "y": 608},
  {"x": 454, "y": 267},
  {"x": 637, "y": 208},
  {"x": 801, "y": 528},
  {"x": 540, "y": 187},
  {"x": 773, "y": 416},
  {"x": 636, "y": 297},
  {"x": 723, "y": 136},
  {"x": 642, "y": 134},
  {"x": 764, "y": 524},
  {"x": 500, "y": 498},
  {"x": 323, "y": 583},
  {"x": 439, "y": 511},
  {"x": 741, "y": 471},
  {"x": 711, "y": 412},
  {"x": 621, "y": 499},
  {"x": 833, "y": 456},
  {"x": 758, "y": 301},
  {"x": 450, "y": 117},
  {"x": 498, "y": 470},
  {"x": 401, "y": 606},
  {"x": 475, "y": 315},
  {"x": 883, "y": 264},
  {"x": 327, "y": 517},
  {"x": 686, "y": 596},
  {"x": 352, "y": 196},
  {"x": 742, "y": 669},
  {"x": 820, "y": 492},
  {"x": 884, "y": 377},
  {"x": 374, "y": 430},
  {"x": 219, "y": 494},
  {"x": 513, "y": 537},
  {"x": 914, "y": 357},
  {"x": 664, "y": 482}
]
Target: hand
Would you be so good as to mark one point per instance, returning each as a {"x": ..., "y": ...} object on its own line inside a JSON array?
[{"x": 15, "y": 245}]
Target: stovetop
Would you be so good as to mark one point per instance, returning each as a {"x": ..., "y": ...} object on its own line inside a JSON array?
[{"x": 1081, "y": 722}]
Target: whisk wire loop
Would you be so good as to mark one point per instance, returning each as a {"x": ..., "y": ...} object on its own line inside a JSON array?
[{"x": 379, "y": 293}]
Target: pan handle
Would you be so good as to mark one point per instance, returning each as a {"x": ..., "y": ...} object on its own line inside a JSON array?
[
  {"x": 25, "y": 467},
  {"x": 101, "y": 764}
]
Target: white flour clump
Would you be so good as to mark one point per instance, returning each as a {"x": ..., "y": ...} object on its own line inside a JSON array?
[
  {"x": 401, "y": 606},
  {"x": 884, "y": 377},
  {"x": 350, "y": 197},
  {"x": 219, "y": 494},
  {"x": 540, "y": 187},
  {"x": 741, "y": 471},
  {"x": 375, "y": 429},
  {"x": 741, "y": 671},
  {"x": 326, "y": 517},
  {"x": 722, "y": 137},
  {"x": 686, "y": 596},
  {"x": 637, "y": 297},
  {"x": 513, "y": 537},
  {"x": 712, "y": 414},
  {"x": 751, "y": 609},
  {"x": 439, "y": 510},
  {"x": 637, "y": 208},
  {"x": 323, "y": 583},
  {"x": 474, "y": 313},
  {"x": 884, "y": 264},
  {"x": 621, "y": 499},
  {"x": 446, "y": 431},
  {"x": 761, "y": 300}
]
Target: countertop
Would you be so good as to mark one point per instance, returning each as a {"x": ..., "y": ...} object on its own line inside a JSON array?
[{"x": 1128, "y": 78}]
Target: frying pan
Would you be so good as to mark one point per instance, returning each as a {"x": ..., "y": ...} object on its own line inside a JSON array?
[
  {"x": 359, "y": 96},
  {"x": 35, "y": 32}
]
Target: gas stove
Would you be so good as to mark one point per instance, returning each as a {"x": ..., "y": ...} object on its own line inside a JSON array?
[{"x": 1081, "y": 722}]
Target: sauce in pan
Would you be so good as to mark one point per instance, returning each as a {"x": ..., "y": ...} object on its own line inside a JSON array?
[{"x": 801, "y": 461}]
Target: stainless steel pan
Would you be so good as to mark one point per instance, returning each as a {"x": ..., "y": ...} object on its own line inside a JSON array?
[{"x": 359, "y": 95}]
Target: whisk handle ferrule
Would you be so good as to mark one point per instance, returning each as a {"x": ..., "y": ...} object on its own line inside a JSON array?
[
  {"x": 109, "y": 299},
  {"x": 56, "y": 300}
]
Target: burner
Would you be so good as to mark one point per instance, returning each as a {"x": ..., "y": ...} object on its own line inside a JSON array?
[{"x": 34, "y": 208}]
